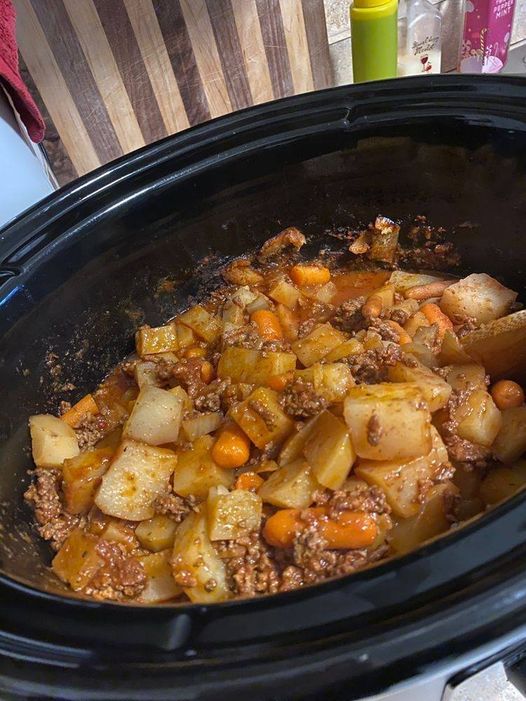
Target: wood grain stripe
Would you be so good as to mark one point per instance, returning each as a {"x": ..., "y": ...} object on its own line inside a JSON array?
[
  {"x": 271, "y": 22},
  {"x": 254, "y": 57},
  {"x": 70, "y": 58},
  {"x": 230, "y": 54},
  {"x": 157, "y": 63},
  {"x": 206, "y": 56},
  {"x": 61, "y": 106},
  {"x": 126, "y": 50},
  {"x": 90, "y": 34},
  {"x": 297, "y": 46},
  {"x": 316, "y": 28},
  {"x": 179, "y": 46}
]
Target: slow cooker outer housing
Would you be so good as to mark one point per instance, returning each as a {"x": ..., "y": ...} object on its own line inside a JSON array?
[{"x": 81, "y": 270}]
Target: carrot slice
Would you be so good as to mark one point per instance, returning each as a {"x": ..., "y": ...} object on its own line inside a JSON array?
[
  {"x": 232, "y": 447},
  {"x": 86, "y": 405},
  {"x": 267, "y": 324},
  {"x": 249, "y": 481},
  {"x": 304, "y": 275},
  {"x": 435, "y": 315}
]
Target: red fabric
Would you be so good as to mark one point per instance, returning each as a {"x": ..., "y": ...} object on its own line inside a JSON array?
[{"x": 10, "y": 74}]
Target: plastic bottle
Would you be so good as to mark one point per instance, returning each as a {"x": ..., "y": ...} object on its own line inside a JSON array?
[
  {"x": 423, "y": 38},
  {"x": 374, "y": 39}
]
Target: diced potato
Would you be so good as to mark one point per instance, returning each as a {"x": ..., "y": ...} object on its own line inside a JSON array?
[
  {"x": 196, "y": 471},
  {"x": 261, "y": 302},
  {"x": 185, "y": 336},
  {"x": 388, "y": 421},
  {"x": 289, "y": 322},
  {"x": 415, "y": 322},
  {"x": 478, "y": 296},
  {"x": 156, "y": 533},
  {"x": 246, "y": 365},
  {"x": 405, "y": 482},
  {"x": 316, "y": 345},
  {"x": 232, "y": 316},
  {"x": 201, "y": 425},
  {"x": 404, "y": 281},
  {"x": 330, "y": 380},
  {"x": 82, "y": 475},
  {"x": 194, "y": 555},
  {"x": 120, "y": 532},
  {"x": 510, "y": 443},
  {"x": 160, "y": 584},
  {"x": 293, "y": 447},
  {"x": 77, "y": 561},
  {"x": 479, "y": 419},
  {"x": 452, "y": 351},
  {"x": 345, "y": 349},
  {"x": 155, "y": 418},
  {"x": 138, "y": 474},
  {"x": 320, "y": 293},
  {"x": 52, "y": 440},
  {"x": 292, "y": 486},
  {"x": 422, "y": 353},
  {"x": 435, "y": 390},
  {"x": 204, "y": 324},
  {"x": 430, "y": 521},
  {"x": 186, "y": 403},
  {"x": 232, "y": 514},
  {"x": 466, "y": 377},
  {"x": 328, "y": 451},
  {"x": 145, "y": 374},
  {"x": 503, "y": 482},
  {"x": 244, "y": 296},
  {"x": 160, "y": 339},
  {"x": 262, "y": 418},
  {"x": 500, "y": 347}
]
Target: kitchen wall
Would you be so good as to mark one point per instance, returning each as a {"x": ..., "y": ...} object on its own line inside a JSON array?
[{"x": 337, "y": 14}]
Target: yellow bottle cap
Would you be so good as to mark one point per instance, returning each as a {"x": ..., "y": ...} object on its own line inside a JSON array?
[{"x": 366, "y": 4}]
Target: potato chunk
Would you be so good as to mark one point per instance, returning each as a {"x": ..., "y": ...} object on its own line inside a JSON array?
[
  {"x": 435, "y": 390},
  {"x": 232, "y": 514},
  {"x": 404, "y": 281},
  {"x": 82, "y": 475},
  {"x": 201, "y": 425},
  {"x": 160, "y": 339},
  {"x": 328, "y": 450},
  {"x": 510, "y": 443},
  {"x": 388, "y": 421},
  {"x": 292, "y": 486},
  {"x": 285, "y": 293},
  {"x": 468, "y": 376},
  {"x": 160, "y": 584},
  {"x": 330, "y": 380},
  {"x": 196, "y": 471},
  {"x": 479, "y": 420},
  {"x": 293, "y": 447},
  {"x": 344, "y": 350},
  {"x": 155, "y": 418},
  {"x": 478, "y": 296},
  {"x": 204, "y": 324},
  {"x": 405, "y": 482},
  {"x": 77, "y": 561},
  {"x": 262, "y": 418},
  {"x": 321, "y": 341},
  {"x": 156, "y": 533},
  {"x": 52, "y": 440},
  {"x": 500, "y": 347},
  {"x": 137, "y": 475},
  {"x": 194, "y": 558},
  {"x": 246, "y": 365}
]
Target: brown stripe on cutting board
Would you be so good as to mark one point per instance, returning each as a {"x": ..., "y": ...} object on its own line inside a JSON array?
[
  {"x": 297, "y": 47},
  {"x": 316, "y": 28},
  {"x": 230, "y": 54},
  {"x": 271, "y": 22},
  {"x": 179, "y": 46},
  {"x": 70, "y": 58},
  {"x": 123, "y": 41}
]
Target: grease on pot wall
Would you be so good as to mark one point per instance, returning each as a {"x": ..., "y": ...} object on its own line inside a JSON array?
[{"x": 338, "y": 28}]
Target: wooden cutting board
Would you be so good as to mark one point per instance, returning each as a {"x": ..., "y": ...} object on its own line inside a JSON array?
[{"x": 114, "y": 75}]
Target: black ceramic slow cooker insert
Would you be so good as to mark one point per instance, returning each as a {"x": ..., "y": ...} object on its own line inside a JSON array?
[{"x": 77, "y": 275}]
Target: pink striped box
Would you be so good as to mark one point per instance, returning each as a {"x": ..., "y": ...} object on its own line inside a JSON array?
[{"x": 487, "y": 32}]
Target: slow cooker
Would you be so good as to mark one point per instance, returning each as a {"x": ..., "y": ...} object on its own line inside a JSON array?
[{"x": 81, "y": 270}]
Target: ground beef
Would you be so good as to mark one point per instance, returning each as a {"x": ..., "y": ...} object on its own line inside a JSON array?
[
  {"x": 384, "y": 330},
  {"x": 173, "y": 506},
  {"x": 44, "y": 495},
  {"x": 211, "y": 396},
  {"x": 234, "y": 394},
  {"x": 251, "y": 568},
  {"x": 91, "y": 429},
  {"x": 248, "y": 337},
  {"x": 264, "y": 412},
  {"x": 374, "y": 430},
  {"x": 464, "y": 325},
  {"x": 400, "y": 316},
  {"x": 187, "y": 373},
  {"x": 300, "y": 401},
  {"x": 349, "y": 315},
  {"x": 121, "y": 576},
  {"x": 360, "y": 498},
  {"x": 370, "y": 367}
]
